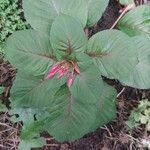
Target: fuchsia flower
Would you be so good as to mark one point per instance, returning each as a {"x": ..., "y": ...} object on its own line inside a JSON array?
[
  {"x": 53, "y": 71},
  {"x": 64, "y": 68},
  {"x": 62, "y": 72},
  {"x": 75, "y": 66},
  {"x": 70, "y": 80}
]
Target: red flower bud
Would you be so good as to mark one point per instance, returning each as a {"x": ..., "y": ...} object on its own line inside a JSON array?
[
  {"x": 70, "y": 80},
  {"x": 50, "y": 75},
  {"x": 76, "y": 68},
  {"x": 55, "y": 67},
  {"x": 53, "y": 71},
  {"x": 62, "y": 72}
]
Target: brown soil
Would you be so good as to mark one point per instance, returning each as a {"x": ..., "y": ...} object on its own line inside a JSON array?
[{"x": 114, "y": 136}]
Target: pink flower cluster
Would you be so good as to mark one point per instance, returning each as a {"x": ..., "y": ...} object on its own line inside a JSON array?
[{"x": 64, "y": 68}]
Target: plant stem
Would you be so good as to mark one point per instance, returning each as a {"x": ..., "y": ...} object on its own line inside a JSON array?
[
  {"x": 86, "y": 32},
  {"x": 129, "y": 7}
]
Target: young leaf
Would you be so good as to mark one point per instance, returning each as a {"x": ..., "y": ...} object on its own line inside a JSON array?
[
  {"x": 30, "y": 52},
  {"x": 95, "y": 10},
  {"x": 139, "y": 76},
  {"x": 113, "y": 53},
  {"x": 67, "y": 36},
  {"x": 136, "y": 21},
  {"x": 40, "y": 14}
]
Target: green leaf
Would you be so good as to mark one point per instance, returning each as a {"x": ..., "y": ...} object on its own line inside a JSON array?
[
  {"x": 126, "y": 2},
  {"x": 88, "y": 85},
  {"x": 2, "y": 89},
  {"x": 33, "y": 129},
  {"x": 139, "y": 77},
  {"x": 30, "y": 52},
  {"x": 41, "y": 14},
  {"x": 137, "y": 116},
  {"x": 147, "y": 112},
  {"x": 79, "y": 115},
  {"x": 67, "y": 36},
  {"x": 131, "y": 123},
  {"x": 113, "y": 53},
  {"x": 144, "y": 104},
  {"x": 31, "y": 143},
  {"x": 75, "y": 118},
  {"x": 25, "y": 114},
  {"x": 3, "y": 108},
  {"x": 136, "y": 21},
  {"x": 106, "y": 106},
  {"x": 31, "y": 92},
  {"x": 144, "y": 119},
  {"x": 95, "y": 10}
]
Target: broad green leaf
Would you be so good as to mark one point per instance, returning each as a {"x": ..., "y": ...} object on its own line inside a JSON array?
[
  {"x": 31, "y": 143},
  {"x": 136, "y": 21},
  {"x": 126, "y": 2},
  {"x": 78, "y": 116},
  {"x": 95, "y": 10},
  {"x": 88, "y": 85},
  {"x": 67, "y": 36},
  {"x": 74, "y": 119},
  {"x": 31, "y": 92},
  {"x": 106, "y": 106},
  {"x": 34, "y": 128},
  {"x": 30, "y": 52},
  {"x": 41, "y": 13},
  {"x": 139, "y": 76},
  {"x": 113, "y": 53}
]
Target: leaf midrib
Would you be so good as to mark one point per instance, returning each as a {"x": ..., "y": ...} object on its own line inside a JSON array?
[{"x": 36, "y": 54}]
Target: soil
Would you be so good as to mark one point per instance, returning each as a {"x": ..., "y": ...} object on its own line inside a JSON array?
[{"x": 115, "y": 135}]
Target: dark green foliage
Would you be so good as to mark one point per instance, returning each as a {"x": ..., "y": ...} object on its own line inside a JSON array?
[{"x": 11, "y": 19}]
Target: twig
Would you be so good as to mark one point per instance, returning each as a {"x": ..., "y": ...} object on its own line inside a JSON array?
[
  {"x": 121, "y": 92},
  {"x": 7, "y": 90},
  {"x": 129, "y": 7}
]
